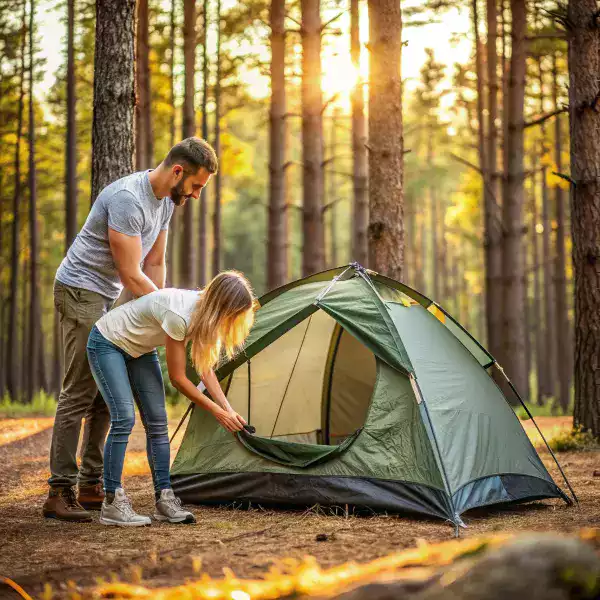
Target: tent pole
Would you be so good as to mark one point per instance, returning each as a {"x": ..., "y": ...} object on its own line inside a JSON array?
[
  {"x": 185, "y": 414},
  {"x": 249, "y": 389},
  {"x": 512, "y": 387}
]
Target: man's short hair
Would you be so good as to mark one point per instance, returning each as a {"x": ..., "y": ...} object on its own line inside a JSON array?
[{"x": 195, "y": 153}]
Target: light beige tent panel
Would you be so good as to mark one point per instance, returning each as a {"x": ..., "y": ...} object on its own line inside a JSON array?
[
  {"x": 352, "y": 384},
  {"x": 292, "y": 365}
]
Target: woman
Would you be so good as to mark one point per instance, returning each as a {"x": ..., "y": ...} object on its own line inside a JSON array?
[{"x": 124, "y": 362}]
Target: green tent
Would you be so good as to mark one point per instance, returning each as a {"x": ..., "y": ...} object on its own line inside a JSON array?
[{"x": 364, "y": 393}]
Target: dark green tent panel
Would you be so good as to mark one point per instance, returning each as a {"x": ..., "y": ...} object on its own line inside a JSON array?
[{"x": 363, "y": 392}]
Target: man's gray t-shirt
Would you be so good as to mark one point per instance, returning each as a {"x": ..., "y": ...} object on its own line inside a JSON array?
[{"x": 128, "y": 206}]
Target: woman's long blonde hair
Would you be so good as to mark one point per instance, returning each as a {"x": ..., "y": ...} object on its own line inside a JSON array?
[{"x": 221, "y": 320}]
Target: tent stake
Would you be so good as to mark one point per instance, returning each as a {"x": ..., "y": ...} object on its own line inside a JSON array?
[{"x": 512, "y": 387}]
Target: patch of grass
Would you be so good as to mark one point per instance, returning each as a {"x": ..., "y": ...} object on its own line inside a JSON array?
[
  {"x": 574, "y": 439},
  {"x": 43, "y": 405},
  {"x": 548, "y": 409}
]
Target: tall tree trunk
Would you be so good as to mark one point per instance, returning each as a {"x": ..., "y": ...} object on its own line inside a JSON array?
[
  {"x": 313, "y": 244},
  {"x": 386, "y": 144},
  {"x": 71, "y": 141},
  {"x": 24, "y": 369},
  {"x": 13, "y": 373},
  {"x": 536, "y": 310},
  {"x": 277, "y": 236},
  {"x": 35, "y": 374},
  {"x": 217, "y": 145},
  {"x": 549, "y": 388},
  {"x": 561, "y": 324},
  {"x": 332, "y": 196},
  {"x": 584, "y": 95},
  {"x": 421, "y": 252},
  {"x": 443, "y": 266},
  {"x": 114, "y": 93},
  {"x": 360, "y": 212},
  {"x": 527, "y": 307},
  {"x": 203, "y": 194},
  {"x": 187, "y": 258},
  {"x": 4, "y": 303},
  {"x": 433, "y": 216},
  {"x": 172, "y": 276},
  {"x": 512, "y": 259},
  {"x": 492, "y": 215},
  {"x": 144, "y": 143},
  {"x": 410, "y": 249}
]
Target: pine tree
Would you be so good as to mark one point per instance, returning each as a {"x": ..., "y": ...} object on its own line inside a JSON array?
[
  {"x": 114, "y": 93},
  {"x": 386, "y": 144},
  {"x": 584, "y": 97}
]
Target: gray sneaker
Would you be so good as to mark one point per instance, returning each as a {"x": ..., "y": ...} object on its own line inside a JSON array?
[
  {"x": 168, "y": 508},
  {"x": 121, "y": 513}
]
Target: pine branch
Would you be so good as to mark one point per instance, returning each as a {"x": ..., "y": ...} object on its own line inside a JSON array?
[
  {"x": 565, "y": 177},
  {"x": 293, "y": 20},
  {"x": 326, "y": 24},
  {"x": 544, "y": 118},
  {"x": 466, "y": 163}
]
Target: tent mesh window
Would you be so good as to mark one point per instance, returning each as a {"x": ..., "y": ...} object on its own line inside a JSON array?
[{"x": 313, "y": 385}]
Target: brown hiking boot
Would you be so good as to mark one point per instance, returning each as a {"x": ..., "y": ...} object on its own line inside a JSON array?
[
  {"x": 91, "y": 496},
  {"x": 62, "y": 504}
]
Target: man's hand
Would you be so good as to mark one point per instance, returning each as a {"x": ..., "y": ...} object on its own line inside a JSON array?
[{"x": 229, "y": 419}]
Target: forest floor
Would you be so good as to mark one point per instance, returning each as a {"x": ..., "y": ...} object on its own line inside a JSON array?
[{"x": 36, "y": 551}]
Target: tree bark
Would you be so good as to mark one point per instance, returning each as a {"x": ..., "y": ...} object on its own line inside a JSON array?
[
  {"x": 360, "y": 163},
  {"x": 512, "y": 259},
  {"x": 202, "y": 277},
  {"x": 216, "y": 262},
  {"x": 277, "y": 236},
  {"x": 144, "y": 144},
  {"x": 71, "y": 141},
  {"x": 333, "y": 191},
  {"x": 187, "y": 255},
  {"x": 492, "y": 196},
  {"x": 548, "y": 390},
  {"x": 564, "y": 357},
  {"x": 584, "y": 96},
  {"x": 433, "y": 217},
  {"x": 386, "y": 144},
  {"x": 114, "y": 93},
  {"x": 313, "y": 245},
  {"x": 536, "y": 311},
  {"x": 13, "y": 374},
  {"x": 36, "y": 350},
  {"x": 172, "y": 277}
]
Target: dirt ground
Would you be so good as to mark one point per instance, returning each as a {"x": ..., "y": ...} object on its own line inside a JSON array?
[{"x": 35, "y": 550}]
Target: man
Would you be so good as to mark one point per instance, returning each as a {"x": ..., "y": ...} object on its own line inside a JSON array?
[{"x": 125, "y": 229}]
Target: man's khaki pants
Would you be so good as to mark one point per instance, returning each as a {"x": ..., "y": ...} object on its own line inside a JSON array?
[{"x": 78, "y": 310}]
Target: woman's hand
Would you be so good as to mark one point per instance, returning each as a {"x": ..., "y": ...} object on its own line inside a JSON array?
[{"x": 229, "y": 419}]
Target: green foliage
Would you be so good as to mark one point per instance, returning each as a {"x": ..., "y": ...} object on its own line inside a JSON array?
[
  {"x": 575, "y": 439},
  {"x": 548, "y": 409},
  {"x": 43, "y": 405}
]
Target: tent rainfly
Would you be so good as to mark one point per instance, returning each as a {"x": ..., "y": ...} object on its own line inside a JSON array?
[{"x": 365, "y": 393}]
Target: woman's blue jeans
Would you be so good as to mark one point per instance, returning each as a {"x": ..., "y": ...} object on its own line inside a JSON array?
[{"x": 123, "y": 381}]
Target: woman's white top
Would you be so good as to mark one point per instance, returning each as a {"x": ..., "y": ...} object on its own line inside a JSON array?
[{"x": 140, "y": 326}]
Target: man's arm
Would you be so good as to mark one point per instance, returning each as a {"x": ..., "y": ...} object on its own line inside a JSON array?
[
  {"x": 155, "y": 264},
  {"x": 127, "y": 254}
]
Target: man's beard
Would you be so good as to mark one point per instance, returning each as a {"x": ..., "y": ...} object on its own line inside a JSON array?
[{"x": 179, "y": 199}]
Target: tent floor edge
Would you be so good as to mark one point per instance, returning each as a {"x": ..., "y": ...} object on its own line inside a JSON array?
[
  {"x": 295, "y": 491},
  {"x": 504, "y": 490}
]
